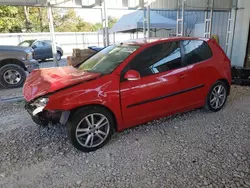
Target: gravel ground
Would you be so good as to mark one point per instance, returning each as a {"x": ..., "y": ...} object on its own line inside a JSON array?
[{"x": 194, "y": 149}]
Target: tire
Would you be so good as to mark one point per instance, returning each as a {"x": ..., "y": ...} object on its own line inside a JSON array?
[
  {"x": 215, "y": 101},
  {"x": 58, "y": 56},
  {"x": 18, "y": 73},
  {"x": 90, "y": 138}
]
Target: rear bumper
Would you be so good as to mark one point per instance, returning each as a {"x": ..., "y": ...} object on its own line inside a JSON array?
[
  {"x": 31, "y": 64},
  {"x": 44, "y": 117}
]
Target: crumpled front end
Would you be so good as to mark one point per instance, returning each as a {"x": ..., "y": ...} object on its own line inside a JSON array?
[{"x": 44, "y": 117}]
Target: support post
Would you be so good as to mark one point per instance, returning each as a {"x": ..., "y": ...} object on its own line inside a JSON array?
[
  {"x": 103, "y": 27},
  {"x": 105, "y": 23},
  {"x": 148, "y": 19},
  {"x": 114, "y": 38},
  {"x": 52, "y": 34},
  {"x": 144, "y": 22},
  {"x": 98, "y": 40},
  {"x": 230, "y": 30},
  {"x": 180, "y": 18},
  {"x": 209, "y": 19}
]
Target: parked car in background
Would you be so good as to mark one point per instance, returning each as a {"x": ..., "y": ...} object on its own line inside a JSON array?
[
  {"x": 95, "y": 48},
  {"x": 14, "y": 62},
  {"x": 42, "y": 49},
  {"x": 129, "y": 84}
]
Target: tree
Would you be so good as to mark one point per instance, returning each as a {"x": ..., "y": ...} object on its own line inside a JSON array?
[
  {"x": 28, "y": 24},
  {"x": 111, "y": 21},
  {"x": 34, "y": 19},
  {"x": 10, "y": 19}
]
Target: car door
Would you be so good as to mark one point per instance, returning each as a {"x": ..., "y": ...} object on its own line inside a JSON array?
[
  {"x": 198, "y": 61},
  {"x": 48, "y": 49},
  {"x": 38, "y": 47},
  {"x": 155, "y": 94}
]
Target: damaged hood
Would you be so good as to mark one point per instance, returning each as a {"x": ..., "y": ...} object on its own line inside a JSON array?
[{"x": 43, "y": 81}]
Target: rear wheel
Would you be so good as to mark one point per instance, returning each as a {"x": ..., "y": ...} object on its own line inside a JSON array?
[
  {"x": 217, "y": 96},
  {"x": 90, "y": 128},
  {"x": 58, "y": 56},
  {"x": 12, "y": 76}
]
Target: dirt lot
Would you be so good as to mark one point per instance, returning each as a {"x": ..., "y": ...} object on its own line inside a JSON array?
[{"x": 194, "y": 149}]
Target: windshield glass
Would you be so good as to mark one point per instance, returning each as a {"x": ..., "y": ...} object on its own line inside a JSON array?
[
  {"x": 107, "y": 59},
  {"x": 26, "y": 43}
]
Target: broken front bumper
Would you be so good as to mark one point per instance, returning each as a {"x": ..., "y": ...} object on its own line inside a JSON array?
[{"x": 43, "y": 117}]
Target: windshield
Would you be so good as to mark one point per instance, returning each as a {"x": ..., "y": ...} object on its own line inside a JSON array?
[
  {"x": 26, "y": 43},
  {"x": 107, "y": 59}
]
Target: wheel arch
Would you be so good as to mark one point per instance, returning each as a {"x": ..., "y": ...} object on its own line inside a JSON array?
[
  {"x": 12, "y": 61},
  {"x": 225, "y": 81},
  {"x": 93, "y": 106},
  {"x": 59, "y": 51}
]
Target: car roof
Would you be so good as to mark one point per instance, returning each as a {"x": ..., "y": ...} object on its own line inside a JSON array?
[{"x": 144, "y": 41}]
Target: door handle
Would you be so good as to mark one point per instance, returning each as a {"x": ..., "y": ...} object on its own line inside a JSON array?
[{"x": 182, "y": 76}]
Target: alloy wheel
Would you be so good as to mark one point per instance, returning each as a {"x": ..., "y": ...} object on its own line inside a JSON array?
[
  {"x": 218, "y": 97},
  {"x": 12, "y": 76},
  {"x": 92, "y": 130},
  {"x": 58, "y": 56}
]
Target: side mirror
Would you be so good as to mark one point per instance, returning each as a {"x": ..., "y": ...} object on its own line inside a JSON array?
[
  {"x": 34, "y": 46},
  {"x": 132, "y": 75}
]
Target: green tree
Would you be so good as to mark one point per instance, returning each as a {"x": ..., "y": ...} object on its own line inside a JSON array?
[
  {"x": 11, "y": 19},
  {"x": 34, "y": 19},
  {"x": 111, "y": 21}
]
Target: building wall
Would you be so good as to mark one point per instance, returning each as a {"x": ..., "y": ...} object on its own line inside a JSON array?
[
  {"x": 219, "y": 27},
  {"x": 241, "y": 33},
  {"x": 191, "y": 4}
]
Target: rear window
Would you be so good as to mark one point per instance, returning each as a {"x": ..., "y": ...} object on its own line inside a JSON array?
[{"x": 196, "y": 51}]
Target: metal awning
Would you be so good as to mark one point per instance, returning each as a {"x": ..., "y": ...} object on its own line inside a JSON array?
[
  {"x": 54, "y": 3},
  {"x": 24, "y": 2},
  {"x": 134, "y": 21}
]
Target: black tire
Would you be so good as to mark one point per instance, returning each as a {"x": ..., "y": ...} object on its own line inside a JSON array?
[
  {"x": 209, "y": 99},
  {"x": 14, "y": 68},
  {"x": 58, "y": 56},
  {"x": 78, "y": 117}
]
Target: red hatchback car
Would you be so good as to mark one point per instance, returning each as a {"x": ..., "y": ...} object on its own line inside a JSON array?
[{"x": 129, "y": 84}]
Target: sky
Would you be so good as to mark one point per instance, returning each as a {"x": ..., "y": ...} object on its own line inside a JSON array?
[{"x": 94, "y": 15}]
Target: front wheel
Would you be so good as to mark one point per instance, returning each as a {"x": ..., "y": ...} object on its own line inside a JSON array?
[
  {"x": 12, "y": 76},
  {"x": 217, "y": 96},
  {"x": 90, "y": 128}
]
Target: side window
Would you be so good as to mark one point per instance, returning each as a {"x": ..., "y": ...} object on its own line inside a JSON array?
[
  {"x": 196, "y": 51},
  {"x": 158, "y": 58},
  {"x": 39, "y": 44},
  {"x": 47, "y": 44}
]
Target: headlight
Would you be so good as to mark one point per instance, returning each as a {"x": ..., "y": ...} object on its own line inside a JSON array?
[
  {"x": 41, "y": 102},
  {"x": 29, "y": 55}
]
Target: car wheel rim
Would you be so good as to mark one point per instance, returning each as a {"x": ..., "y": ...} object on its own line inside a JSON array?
[
  {"x": 12, "y": 77},
  {"x": 218, "y": 96},
  {"x": 92, "y": 130},
  {"x": 58, "y": 56}
]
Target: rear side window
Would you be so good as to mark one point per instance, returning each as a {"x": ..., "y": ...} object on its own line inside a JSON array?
[
  {"x": 158, "y": 58},
  {"x": 39, "y": 44},
  {"x": 196, "y": 51}
]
